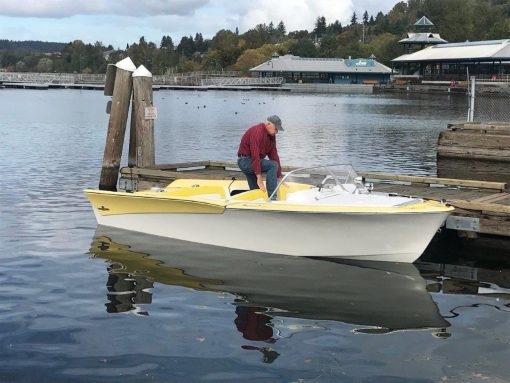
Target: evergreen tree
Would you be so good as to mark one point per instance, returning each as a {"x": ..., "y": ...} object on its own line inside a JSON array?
[
  {"x": 281, "y": 28},
  {"x": 199, "y": 43},
  {"x": 365, "y": 18},
  {"x": 166, "y": 42},
  {"x": 354, "y": 19},
  {"x": 335, "y": 28},
  {"x": 320, "y": 26},
  {"x": 187, "y": 46}
]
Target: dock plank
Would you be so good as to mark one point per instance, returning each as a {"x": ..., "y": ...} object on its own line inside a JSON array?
[{"x": 492, "y": 198}]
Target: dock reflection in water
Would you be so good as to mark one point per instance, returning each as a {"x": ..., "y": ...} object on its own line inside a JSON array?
[{"x": 377, "y": 296}]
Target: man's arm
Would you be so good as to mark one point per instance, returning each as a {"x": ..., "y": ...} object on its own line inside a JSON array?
[{"x": 260, "y": 183}]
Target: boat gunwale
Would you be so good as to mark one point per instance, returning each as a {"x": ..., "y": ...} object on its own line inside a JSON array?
[{"x": 278, "y": 207}]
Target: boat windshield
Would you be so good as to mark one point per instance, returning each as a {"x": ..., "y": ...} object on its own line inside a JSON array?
[{"x": 323, "y": 176}]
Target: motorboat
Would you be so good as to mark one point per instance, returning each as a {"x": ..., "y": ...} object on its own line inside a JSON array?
[
  {"x": 374, "y": 297},
  {"x": 325, "y": 211}
]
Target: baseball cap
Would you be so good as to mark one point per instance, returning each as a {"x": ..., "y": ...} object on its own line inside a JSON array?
[{"x": 276, "y": 121}]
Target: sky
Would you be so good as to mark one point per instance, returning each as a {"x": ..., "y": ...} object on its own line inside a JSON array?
[{"x": 121, "y": 22}]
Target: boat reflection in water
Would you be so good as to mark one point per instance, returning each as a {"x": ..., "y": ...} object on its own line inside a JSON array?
[{"x": 379, "y": 297}]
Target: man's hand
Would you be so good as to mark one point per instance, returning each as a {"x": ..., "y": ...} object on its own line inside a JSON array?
[{"x": 260, "y": 183}]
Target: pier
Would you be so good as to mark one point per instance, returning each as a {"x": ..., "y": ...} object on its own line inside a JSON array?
[
  {"x": 482, "y": 207},
  {"x": 201, "y": 81}
]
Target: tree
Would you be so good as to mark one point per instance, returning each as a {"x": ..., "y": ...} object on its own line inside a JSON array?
[
  {"x": 304, "y": 48},
  {"x": 365, "y": 18},
  {"x": 253, "y": 57},
  {"x": 385, "y": 47},
  {"x": 335, "y": 28},
  {"x": 228, "y": 47},
  {"x": 166, "y": 42},
  {"x": 354, "y": 19},
  {"x": 302, "y": 34},
  {"x": 328, "y": 46},
  {"x": 187, "y": 46},
  {"x": 139, "y": 53},
  {"x": 8, "y": 60},
  {"x": 21, "y": 67},
  {"x": 320, "y": 26},
  {"x": 257, "y": 37},
  {"x": 200, "y": 45},
  {"x": 270, "y": 28},
  {"x": 281, "y": 28}
]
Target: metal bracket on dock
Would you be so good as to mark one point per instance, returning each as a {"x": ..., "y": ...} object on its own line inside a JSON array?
[
  {"x": 456, "y": 222},
  {"x": 128, "y": 184}
]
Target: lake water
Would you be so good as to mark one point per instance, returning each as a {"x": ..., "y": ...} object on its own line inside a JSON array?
[{"x": 85, "y": 304}]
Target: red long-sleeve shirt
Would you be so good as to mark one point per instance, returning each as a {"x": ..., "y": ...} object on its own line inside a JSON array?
[{"x": 257, "y": 144}]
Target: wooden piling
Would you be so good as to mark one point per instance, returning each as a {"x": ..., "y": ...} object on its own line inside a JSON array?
[
  {"x": 141, "y": 144},
  {"x": 117, "y": 124}
]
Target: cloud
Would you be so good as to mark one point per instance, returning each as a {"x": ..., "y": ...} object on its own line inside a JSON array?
[
  {"x": 123, "y": 21},
  {"x": 69, "y": 8},
  {"x": 296, "y": 14}
]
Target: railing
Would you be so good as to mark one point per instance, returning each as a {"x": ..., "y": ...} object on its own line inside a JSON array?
[
  {"x": 493, "y": 78},
  {"x": 37, "y": 78},
  {"x": 193, "y": 78},
  {"x": 205, "y": 73},
  {"x": 243, "y": 81},
  {"x": 463, "y": 77}
]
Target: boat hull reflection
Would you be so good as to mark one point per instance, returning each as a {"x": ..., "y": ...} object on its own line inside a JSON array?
[{"x": 386, "y": 295}]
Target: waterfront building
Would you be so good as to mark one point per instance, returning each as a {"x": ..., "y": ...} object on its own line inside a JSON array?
[
  {"x": 422, "y": 37},
  {"x": 455, "y": 61},
  {"x": 295, "y": 69}
]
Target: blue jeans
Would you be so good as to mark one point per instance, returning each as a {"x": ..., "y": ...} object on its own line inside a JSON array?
[{"x": 269, "y": 167}]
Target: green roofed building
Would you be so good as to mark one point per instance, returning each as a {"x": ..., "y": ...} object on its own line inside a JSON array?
[{"x": 295, "y": 69}]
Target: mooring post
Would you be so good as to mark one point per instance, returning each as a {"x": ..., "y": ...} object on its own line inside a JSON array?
[
  {"x": 143, "y": 113},
  {"x": 117, "y": 124}
]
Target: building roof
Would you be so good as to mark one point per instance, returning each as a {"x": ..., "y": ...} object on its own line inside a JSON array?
[
  {"x": 290, "y": 63},
  {"x": 424, "y": 22},
  {"x": 423, "y": 38},
  {"x": 490, "y": 50}
]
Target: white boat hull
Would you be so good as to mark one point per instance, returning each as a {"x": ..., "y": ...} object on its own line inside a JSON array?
[{"x": 395, "y": 237}]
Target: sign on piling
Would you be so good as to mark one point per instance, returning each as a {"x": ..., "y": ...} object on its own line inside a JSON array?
[
  {"x": 117, "y": 124},
  {"x": 143, "y": 113}
]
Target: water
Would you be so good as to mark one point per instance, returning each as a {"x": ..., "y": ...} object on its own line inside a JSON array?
[{"x": 85, "y": 304}]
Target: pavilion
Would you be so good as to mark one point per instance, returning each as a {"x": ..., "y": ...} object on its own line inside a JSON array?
[
  {"x": 295, "y": 69},
  {"x": 454, "y": 61}
]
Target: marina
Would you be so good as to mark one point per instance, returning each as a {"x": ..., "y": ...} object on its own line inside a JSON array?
[
  {"x": 137, "y": 246},
  {"x": 86, "y": 303}
]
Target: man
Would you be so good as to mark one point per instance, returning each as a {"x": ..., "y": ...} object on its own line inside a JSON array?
[{"x": 258, "y": 142}]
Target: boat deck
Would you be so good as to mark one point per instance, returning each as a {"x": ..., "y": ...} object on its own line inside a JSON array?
[{"x": 481, "y": 206}]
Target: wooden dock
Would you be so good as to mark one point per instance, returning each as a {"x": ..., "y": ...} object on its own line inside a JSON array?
[{"x": 482, "y": 207}]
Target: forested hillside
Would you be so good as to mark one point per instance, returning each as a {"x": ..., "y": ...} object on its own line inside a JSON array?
[
  {"x": 455, "y": 20},
  {"x": 30, "y": 46}
]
